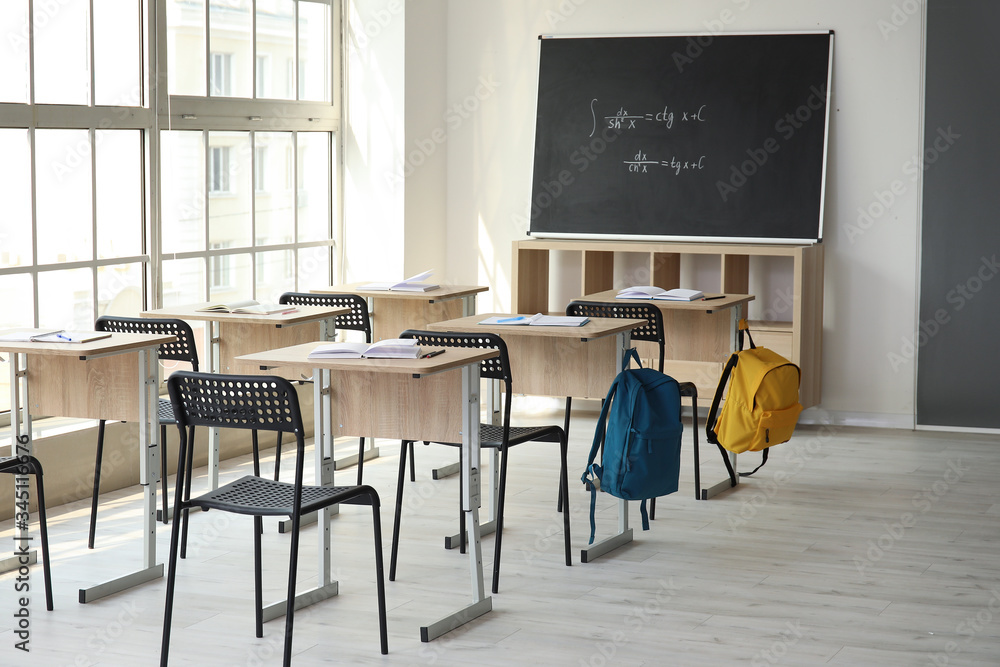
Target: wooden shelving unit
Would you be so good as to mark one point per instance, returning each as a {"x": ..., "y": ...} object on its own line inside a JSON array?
[{"x": 799, "y": 339}]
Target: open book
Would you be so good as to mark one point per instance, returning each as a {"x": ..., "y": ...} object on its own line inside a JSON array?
[
  {"x": 539, "y": 320},
  {"x": 412, "y": 284},
  {"x": 60, "y": 336},
  {"x": 248, "y": 307},
  {"x": 659, "y": 294},
  {"x": 389, "y": 348}
]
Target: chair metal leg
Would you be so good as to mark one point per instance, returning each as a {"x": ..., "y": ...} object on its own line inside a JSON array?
[
  {"x": 499, "y": 531},
  {"x": 97, "y": 484},
  {"x": 413, "y": 465},
  {"x": 43, "y": 523},
  {"x": 559, "y": 500},
  {"x": 399, "y": 509},
  {"x": 379, "y": 576},
  {"x": 187, "y": 496},
  {"x": 564, "y": 453},
  {"x": 163, "y": 470},
  {"x": 361, "y": 460},
  {"x": 256, "y": 453},
  {"x": 277, "y": 456},
  {"x": 168, "y": 608},
  {"x": 258, "y": 579},
  {"x": 292, "y": 570}
]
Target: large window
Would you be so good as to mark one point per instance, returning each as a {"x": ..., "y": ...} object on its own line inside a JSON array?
[{"x": 235, "y": 193}]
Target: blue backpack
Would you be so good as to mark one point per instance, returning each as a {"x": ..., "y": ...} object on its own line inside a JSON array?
[{"x": 640, "y": 429}]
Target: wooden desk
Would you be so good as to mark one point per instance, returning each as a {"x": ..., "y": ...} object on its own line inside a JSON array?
[
  {"x": 561, "y": 361},
  {"x": 395, "y": 311},
  {"x": 113, "y": 378},
  {"x": 700, "y": 336},
  {"x": 402, "y": 399},
  {"x": 229, "y": 335}
]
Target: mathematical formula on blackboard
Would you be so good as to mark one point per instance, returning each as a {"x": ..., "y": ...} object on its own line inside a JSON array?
[
  {"x": 623, "y": 120},
  {"x": 640, "y": 164}
]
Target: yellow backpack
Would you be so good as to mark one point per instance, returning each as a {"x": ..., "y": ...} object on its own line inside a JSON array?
[{"x": 762, "y": 406}]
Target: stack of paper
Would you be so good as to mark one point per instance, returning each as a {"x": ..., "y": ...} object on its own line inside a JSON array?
[
  {"x": 390, "y": 348},
  {"x": 412, "y": 284},
  {"x": 651, "y": 292},
  {"x": 539, "y": 320}
]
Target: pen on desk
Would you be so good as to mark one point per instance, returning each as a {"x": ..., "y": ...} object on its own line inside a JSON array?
[
  {"x": 431, "y": 354},
  {"x": 62, "y": 336},
  {"x": 712, "y": 298},
  {"x": 503, "y": 320}
]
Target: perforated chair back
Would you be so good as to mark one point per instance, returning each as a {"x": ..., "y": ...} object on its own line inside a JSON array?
[
  {"x": 494, "y": 368},
  {"x": 651, "y": 331},
  {"x": 182, "y": 349},
  {"x": 356, "y": 320},
  {"x": 253, "y": 402}
]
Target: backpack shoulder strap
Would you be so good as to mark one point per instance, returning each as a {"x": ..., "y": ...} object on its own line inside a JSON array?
[{"x": 713, "y": 412}]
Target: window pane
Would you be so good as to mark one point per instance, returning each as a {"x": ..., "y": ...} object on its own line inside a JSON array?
[
  {"x": 231, "y": 48},
  {"x": 186, "y": 47},
  {"x": 119, "y": 290},
  {"x": 183, "y": 186},
  {"x": 63, "y": 196},
  {"x": 15, "y": 193},
  {"x": 17, "y": 312},
  {"x": 315, "y": 186},
  {"x": 65, "y": 299},
  {"x": 314, "y": 268},
  {"x": 275, "y": 275},
  {"x": 315, "y": 52},
  {"x": 119, "y": 193},
  {"x": 62, "y": 52},
  {"x": 229, "y": 189},
  {"x": 274, "y": 198},
  {"x": 275, "y": 46},
  {"x": 14, "y": 51},
  {"x": 229, "y": 277},
  {"x": 118, "y": 53},
  {"x": 183, "y": 281}
]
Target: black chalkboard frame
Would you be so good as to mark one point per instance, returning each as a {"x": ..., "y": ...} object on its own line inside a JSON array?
[{"x": 741, "y": 199}]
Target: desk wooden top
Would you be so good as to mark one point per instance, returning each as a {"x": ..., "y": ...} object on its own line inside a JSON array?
[
  {"x": 301, "y": 315},
  {"x": 117, "y": 343},
  {"x": 442, "y": 293},
  {"x": 597, "y": 327},
  {"x": 704, "y": 305},
  {"x": 298, "y": 355}
]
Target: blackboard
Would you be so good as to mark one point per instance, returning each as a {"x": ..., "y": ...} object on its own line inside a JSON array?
[{"x": 699, "y": 137}]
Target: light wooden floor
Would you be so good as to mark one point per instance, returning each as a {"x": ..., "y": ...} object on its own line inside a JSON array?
[{"x": 851, "y": 547}]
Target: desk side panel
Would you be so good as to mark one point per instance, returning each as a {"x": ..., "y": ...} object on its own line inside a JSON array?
[
  {"x": 391, "y": 317},
  {"x": 237, "y": 338},
  {"x": 543, "y": 366},
  {"x": 396, "y": 406},
  {"x": 102, "y": 388}
]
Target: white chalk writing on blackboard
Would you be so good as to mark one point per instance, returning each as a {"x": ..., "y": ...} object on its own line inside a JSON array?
[
  {"x": 641, "y": 163},
  {"x": 623, "y": 120}
]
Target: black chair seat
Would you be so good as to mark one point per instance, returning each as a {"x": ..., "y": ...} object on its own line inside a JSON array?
[
  {"x": 491, "y": 435},
  {"x": 265, "y": 497},
  {"x": 165, "y": 411}
]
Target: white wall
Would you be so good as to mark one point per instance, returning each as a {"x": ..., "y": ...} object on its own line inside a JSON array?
[{"x": 491, "y": 75}]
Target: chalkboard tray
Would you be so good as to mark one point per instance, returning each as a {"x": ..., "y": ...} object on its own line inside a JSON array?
[{"x": 682, "y": 137}]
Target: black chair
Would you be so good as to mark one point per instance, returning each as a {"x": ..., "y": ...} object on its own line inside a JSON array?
[
  {"x": 182, "y": 349},
  {"x": 501, "y": 437},
  {"x": 24, "y": 465},
  {"x": 652, "y": 332},
  {"x": 356, "y": 320},
  {"x": 255, "y": 402}
]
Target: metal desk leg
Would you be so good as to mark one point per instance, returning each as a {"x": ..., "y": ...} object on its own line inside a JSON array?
[
  {"x": 624, "y": 534},
  {"x": 149, "y": 476},
  {"x": 323, "y": 420},
  {"x": 468, "y": 308},
  {"x": 705, "y": 493},
  {"x": 481, "y": 603}
]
